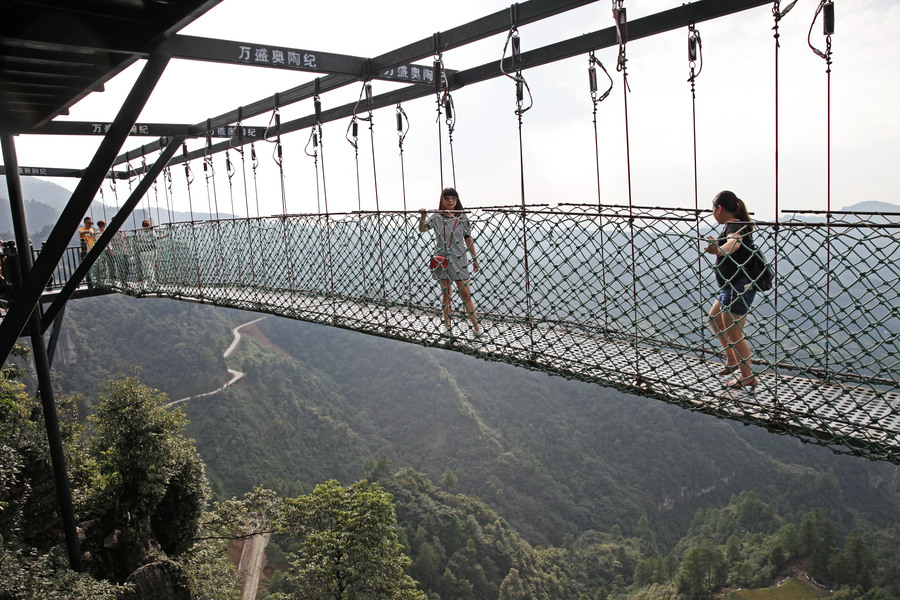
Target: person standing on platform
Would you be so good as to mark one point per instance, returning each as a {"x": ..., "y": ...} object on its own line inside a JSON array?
[
  {"x": 87, "y": 235},
  {"x": 449, "y": 263},
  {"x": 728, "y": 315}
]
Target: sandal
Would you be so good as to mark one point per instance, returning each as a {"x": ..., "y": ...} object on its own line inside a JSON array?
[{"x": 748, "y": 382}]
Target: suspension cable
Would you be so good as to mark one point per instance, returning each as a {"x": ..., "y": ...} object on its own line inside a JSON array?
[
  {"x": 450, "y": 120},
  {"x": 169, "y": 196},
  {"x": 352, "y": 137},
  {"x": 695, "y": 62},
  {"x": 207, "y": 159},
  {"x": 621, "y": 21},
  {"x": 167, "y": 190},
  {"x": 243, "y": 153},
  {"x": 155, "y": 195},
  {"x": 318, "y": 143},
  {"x": 441, "y": 87},
  {"x": 209, "y": 172},
  {"x": 826, "y": 8},
  {"x": 254, "y": 163},
  {"x": 230, "y": 171},
  {"x": 167, "y": 180},
  {"x": 278, "y": 157},
  {"x": 371, "y": 119},
  {"x": 148, "y": 210},
  {"x": 189, "y": 178},
  {"x": 113, "y": 187},
  {"x": 103, "y": 202},
  {"x": 313, "y": 142},
  {"x": 513, "y": 41},
  {"x": 277, "y": 154},
  {"x": 402, "y": 131},
  {"x": 130, "y": 172},
  {"x": 239, "y": 129},
  {"x": 777, "y": 15},
  {"x": 597, "y": 98}
]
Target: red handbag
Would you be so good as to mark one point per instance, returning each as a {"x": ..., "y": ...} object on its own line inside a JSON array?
[{"x": 438, "y": 262}]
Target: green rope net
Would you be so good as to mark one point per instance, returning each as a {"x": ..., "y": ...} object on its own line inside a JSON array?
[{"x": 615, "y": 296}]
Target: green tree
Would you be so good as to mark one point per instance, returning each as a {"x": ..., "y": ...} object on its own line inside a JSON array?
[
  {"x": 449, "y": 480},
  {"x": 512, "y": 588},
  {"x": 854, "y": 566},
  {"x": 645, "y": 572},
  {"x": 733, "y": 549},
  {"x": 789, "y": 539},
  {"x": 348, "y": 544},
  {"x": 776, "y": 556},
  {"x": 645, "y": 533},
  {"x": 817, "y": 540},
  {"x": 152, "y": 488},
  {"x": 702, "y": 571},
  {"x": 139, "y": 443}
]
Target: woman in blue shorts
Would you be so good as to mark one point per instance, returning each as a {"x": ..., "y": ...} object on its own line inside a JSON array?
[{"x": 728, "y": 315}]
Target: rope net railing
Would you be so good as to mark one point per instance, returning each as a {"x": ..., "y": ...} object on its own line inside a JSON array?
[{"x": 617, "y": 295}]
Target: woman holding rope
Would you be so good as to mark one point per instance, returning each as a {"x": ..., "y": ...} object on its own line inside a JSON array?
[
  {"x": 449, "y": 263},
  {"x": 728, "y": 315}
]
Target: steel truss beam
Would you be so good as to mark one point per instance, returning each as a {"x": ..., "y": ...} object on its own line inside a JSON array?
[
  {"x": 20, "y": 270},
  {"x": 498, "y": 22},
  {"x": 682, "y": 16}
]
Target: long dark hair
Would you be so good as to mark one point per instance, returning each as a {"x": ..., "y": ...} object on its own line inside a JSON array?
[
  {"x": 730, "y": 202},
  {"x": 450, "y": 192}
]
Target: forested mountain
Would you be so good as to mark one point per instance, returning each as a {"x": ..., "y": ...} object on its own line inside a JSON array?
[{"x": 552, "y": 457}]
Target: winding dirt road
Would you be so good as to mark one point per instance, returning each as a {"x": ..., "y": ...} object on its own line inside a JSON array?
[{"x": 235, "y": 375}]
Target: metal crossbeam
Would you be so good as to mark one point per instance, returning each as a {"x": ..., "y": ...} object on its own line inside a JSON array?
[
  {"x": 498, "y": 22},
  {"x": 290, "y": 59}
]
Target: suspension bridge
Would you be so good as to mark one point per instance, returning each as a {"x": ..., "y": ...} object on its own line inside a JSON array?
[
  {"x": 594, "y": 304},
  {"x": 579, "y": 290}
]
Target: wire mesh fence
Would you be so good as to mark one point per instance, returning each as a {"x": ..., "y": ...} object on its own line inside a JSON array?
[{"x": 618, "y": 296}]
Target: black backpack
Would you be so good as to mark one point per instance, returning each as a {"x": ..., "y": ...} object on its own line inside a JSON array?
[{"x": 758, "y": 270}]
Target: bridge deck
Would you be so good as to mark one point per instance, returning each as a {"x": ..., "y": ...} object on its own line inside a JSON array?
[{"x": 847, "y": 418}]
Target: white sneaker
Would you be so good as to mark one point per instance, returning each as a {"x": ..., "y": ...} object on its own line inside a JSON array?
[
  {"x": 477, "y": 333},
  {"x": 446, "y": 330}
]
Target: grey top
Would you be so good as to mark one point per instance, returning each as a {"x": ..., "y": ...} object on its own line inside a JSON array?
[{"x": 450, "y": 233}]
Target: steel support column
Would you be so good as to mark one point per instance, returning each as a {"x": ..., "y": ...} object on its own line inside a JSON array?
[
  {"x": 28, "y": 296},
  {"x": 41, "y": 362}
]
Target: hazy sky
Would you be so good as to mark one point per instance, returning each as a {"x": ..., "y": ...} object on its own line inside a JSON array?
[{"x": 735, "y": 111}]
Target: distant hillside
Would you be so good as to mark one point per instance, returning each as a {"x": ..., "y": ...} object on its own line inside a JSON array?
[
  {"x": 44, "y": 201},
  {"x": 873, "y": 206},
  {"x": 39, "y": 190}
]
